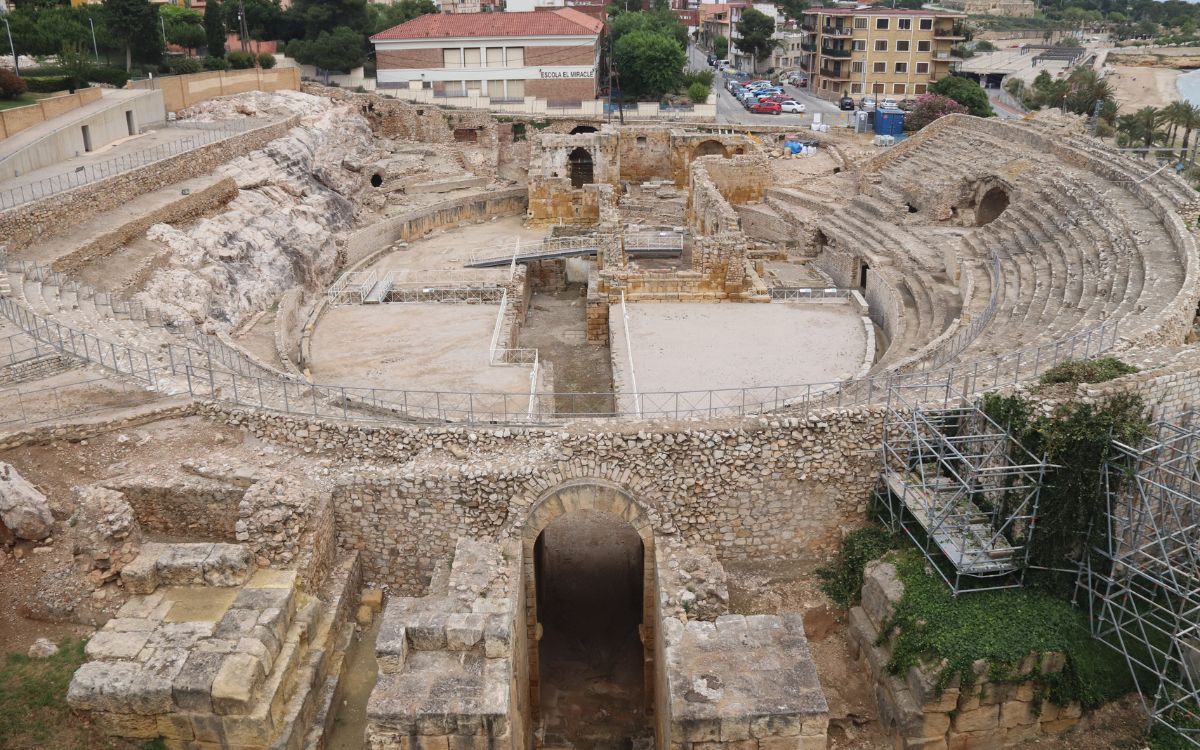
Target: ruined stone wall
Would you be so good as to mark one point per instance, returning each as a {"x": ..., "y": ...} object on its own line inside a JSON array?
[
  {"x": 421, "y": 221},
  {"x": 22, "y": 226},
  {"x": 183, "y": 209},
  {"x": 757, "y": 488},
  {"x": 552, "y": 199},
  {"x": 646, "y": 155},
  {"x": 36, "y": 368},
  {"x": 709, "y": 212},
  {"x": 741, "y": 179},
  {"x": 189, "y": 507}
]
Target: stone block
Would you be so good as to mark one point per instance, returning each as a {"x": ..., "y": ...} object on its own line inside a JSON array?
[
  {"x": 780, "y": 725},
  {"x": 228, "y": 565},
  {"x": 431, "y": 742},
  {"x": 254, "y": 730},
  {"x": 142, "y": 607},
  {"x": 882, "y": 590},
  {"x": 927, "y": 724},
  {"x": 988, "y": 740},
  {"x": 126, "y": 725},
  {"x": 813, "y": 726},
  {"x": 733, "y": 729},
  {"x": 1058, "y": 726},
  {"x": 191, "y": 690},
  {"x": 110, "y": 645},
  {"x": 373, "y": 598},
  {"x": 982, "y": 718},
  {"x": 207, "y": 728},
  {"x": 701, "y": 730},
  {"x": 463, "y": 631},
  {"x": 141, "y": 575},
  {"x": 183, "y": 564},
  {"x": 174, "y": 726},
  {"x": 234, "y": 685},
  {"x": 997, "y": 692},
  {"x": 1052, "y": 662},
  {"x": 812, "y": 743},
  {"x": 1017, "y": 713},
  {"x": 391, "y": 649},
  {"x": 364, "y": 615},
  {"x": 925, "y": 743},
  {"x": 924, "y": 691},
  {"x": 469, "y": 742}
]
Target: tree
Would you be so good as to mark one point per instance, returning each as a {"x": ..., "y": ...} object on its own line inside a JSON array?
[
  {"x": 698, "y": 93},
  {"x": 133, "y": 23},
  {"x": 340, "y": 50},
  {"x": 312, "y": 18},
  {"x": 756, "y": 31},
  {"x": 1085, "y": 89},
  {"x": 793, "y": 10},
  {"x": 386, "y": 15},
  {"x": 650, "y": 64},
  {"x": 214, "y": 28},
  {"x": 1189, "y": 120},
  {"x": 930, "y": 107},
  {"x": 75, "y": 64},
  {"x": 1141, "y": 127},
  {"x": 720, "y": 47},
  {"x": 984, "y": 46},
  {"x": 966, "y": 92},
  {"x": 262, "y": 17},
  {"x": 185, "y": 27}
]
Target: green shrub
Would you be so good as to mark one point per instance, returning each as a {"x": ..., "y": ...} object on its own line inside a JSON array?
[
  {"x": 1087, "y": 371},
  {"x": 216, "y": 63},
  {"x": 266, "y": 61},
  {"x": 185, "y": 65},
  {"x": 115, "y": 77},
  {"x": 239, "y": 60},
  {"x": 697, "y": 93},
  {"x": 11, "y": 85},
  {"x": 48, "y": 85},
  {"x": 842, "y": 580},
  {"x": 931, "y": 625}
]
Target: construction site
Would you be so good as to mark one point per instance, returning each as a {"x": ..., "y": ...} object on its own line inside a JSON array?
[{"x": 362, "y": 423}]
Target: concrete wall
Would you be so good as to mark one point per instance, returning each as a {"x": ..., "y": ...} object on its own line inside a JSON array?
[
  {"x": 13, "y": 121},
  {"x": 66, "y": 141},
  {"x": 183, "y": 91}
]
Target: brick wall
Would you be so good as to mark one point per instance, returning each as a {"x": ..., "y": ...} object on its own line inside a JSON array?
[
  {"x": 409, "y": 58},
  {"x": 575, "y": 89}
]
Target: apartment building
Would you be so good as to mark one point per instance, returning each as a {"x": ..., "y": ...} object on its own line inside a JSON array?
[
  {"x": 878, "y": 51},
  {"x": 547, "y": 54}
]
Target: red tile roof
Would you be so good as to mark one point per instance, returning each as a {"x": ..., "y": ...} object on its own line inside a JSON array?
[{"x": 556, "y": 22}]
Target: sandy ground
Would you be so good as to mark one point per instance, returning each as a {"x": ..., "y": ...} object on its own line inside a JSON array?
[
  {"x": 425, "y": 346},
  {"x": 450, "y": 248},
  {"x": 701, "y": 346},
  {"x": 1137, "y": 87}
]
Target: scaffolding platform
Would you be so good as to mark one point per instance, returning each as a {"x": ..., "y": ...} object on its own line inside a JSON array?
[
  {"x": 1142, "y": 580},
  {"x": 641, "y": 244},
  {"x": 379, "y": 292},
  {"x": 962, "y": 489}
]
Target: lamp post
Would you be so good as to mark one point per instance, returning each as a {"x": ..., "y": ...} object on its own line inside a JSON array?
[
  {"x": 163, "y": 24},
  {"x": 95, "y": 47},
  {"x": 8, "y": 30}
]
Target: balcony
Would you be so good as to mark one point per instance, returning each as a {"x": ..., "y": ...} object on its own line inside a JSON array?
[
  {"x": 843, "y": 32},
  {"x": 837, "y": 52},
  {"x": 835, "y": 75},
  {"x": 808, "y": 46},
  {"x": 948, "y": 33}
]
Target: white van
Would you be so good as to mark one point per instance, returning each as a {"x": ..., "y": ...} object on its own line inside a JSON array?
[{"x": 724, "y": 65}]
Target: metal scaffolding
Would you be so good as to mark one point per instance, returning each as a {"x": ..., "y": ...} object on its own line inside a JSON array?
[
  {"x": 1143, "y": 577},
  {"x": 962, "y": 489}
]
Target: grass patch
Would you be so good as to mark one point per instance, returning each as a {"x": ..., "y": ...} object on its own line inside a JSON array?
[
  {"x": 930, "y": 626},
  {"x": 24, "y": 100},
  {"x": 33, "y": 705},
  {"x": 1075, "y": 371}
]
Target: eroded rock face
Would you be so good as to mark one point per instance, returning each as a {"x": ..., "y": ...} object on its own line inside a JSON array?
[
  {"x": 296, "y": 197},
  {"x": 102, "y": 525},
  {"x": 23, "y": 509}
]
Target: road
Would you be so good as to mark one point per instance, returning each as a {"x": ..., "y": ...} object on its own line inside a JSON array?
[{"x": 730, "y": 110}]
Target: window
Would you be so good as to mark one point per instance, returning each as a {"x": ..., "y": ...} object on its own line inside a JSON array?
[
  {"x": 879, "y": 67},
  {"x": 926, "y": 24},
  {"x": 878, "y": 88},
  {"x": 516, "y": 57},
  {"x": 881, "y": 24},
  {"x": 904, "y": 24},
  {"x": 856, "y": 66},
  {"x": 856, "y": 88},
  {"x": 902, "y": 67},
  {"x": 881, "y": 45},
  {"x": 471, "y": 57},
  {"x": 860, "y": 45},
  {"x": 516, "y": 89},
  {"x": 902, "y": 45},
  {"x": 923, "y": 46},
  {"x": 860, "y": 22},
  {"x": 451, "y": 58},
  {"x": 898, "y": 88},
  {"x": 923, "y": 67},
  {"x": 495, "y": 57},
  {"x": 495, "y": 89},
  {"x": 919, "y": 88}
]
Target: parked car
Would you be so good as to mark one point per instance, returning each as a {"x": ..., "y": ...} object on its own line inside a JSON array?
[
  {"x": 791, "y": 105},
  {"x": 888, "y": 103},
  {"x": 867, "y": 104},
  {"x": 766, "y": 108},
  {"x": 799, "y": 81},
  {"x": 712, "y": 60},
  {"x": 846, "y": 104},
  {"x": 907, "y": 104},
  {"x": 777, "y": 98}
]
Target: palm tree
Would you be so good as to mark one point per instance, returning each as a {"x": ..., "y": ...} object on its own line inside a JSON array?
[
  {"x": 1085, "y": 87},
  {"x": 1173, "y": 114},
  {"x": 1140, "y": 127},
  {"x": 1189, "y": 120}
]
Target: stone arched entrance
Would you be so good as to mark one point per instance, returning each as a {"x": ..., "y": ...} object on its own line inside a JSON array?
[
  {"x": 564, "y": 520},
  {"x": 582, "y": 167},
  {"x": 709, "y": 148},
  {"x": 991, "y": 204}
]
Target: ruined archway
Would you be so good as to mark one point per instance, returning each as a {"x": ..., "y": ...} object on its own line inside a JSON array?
[
  {"x": 582, "y": 168},
  {"x": 709, "y": 148},
  {"x": 578, "y": 129},
  {"x": 572, "y": 517},
  {"x": 991, "y": 205}
]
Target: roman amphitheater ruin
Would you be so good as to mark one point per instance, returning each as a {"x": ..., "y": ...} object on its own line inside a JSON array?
[{"x": 384, "y": 425}]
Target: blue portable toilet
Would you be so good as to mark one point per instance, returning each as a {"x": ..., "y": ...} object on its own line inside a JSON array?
[{"x": 889, "y": 121}]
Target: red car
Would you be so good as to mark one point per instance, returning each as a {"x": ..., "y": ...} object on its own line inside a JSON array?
[
  {"x": 766, "y": 108},
  {"x": 777, "y": 98}
]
